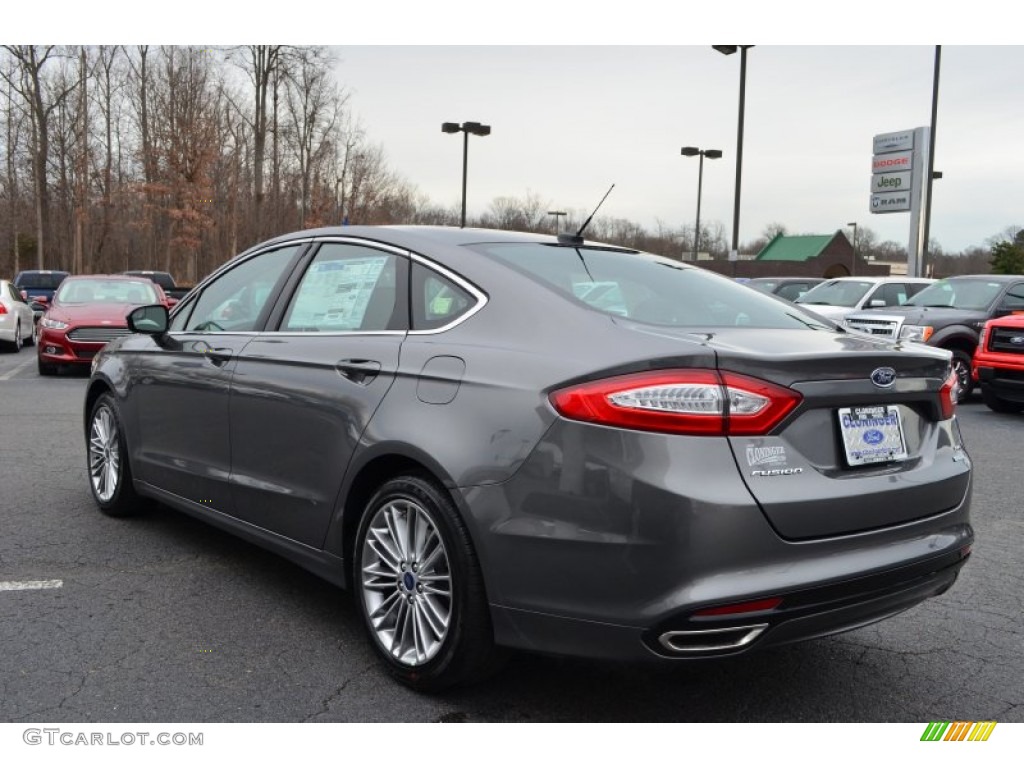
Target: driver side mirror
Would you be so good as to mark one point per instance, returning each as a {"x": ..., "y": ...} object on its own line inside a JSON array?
[{"x": 151, "y": 319}]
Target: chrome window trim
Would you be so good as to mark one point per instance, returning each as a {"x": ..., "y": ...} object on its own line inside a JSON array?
[{"x": 480, "y": 297}]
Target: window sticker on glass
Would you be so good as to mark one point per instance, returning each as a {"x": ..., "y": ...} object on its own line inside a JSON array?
[
  {"x": 334, "y": 294},
  {"x": 441, "y": 305}
]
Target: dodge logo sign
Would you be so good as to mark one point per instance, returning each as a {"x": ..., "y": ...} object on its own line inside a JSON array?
[{"x": 883, "y": 377}]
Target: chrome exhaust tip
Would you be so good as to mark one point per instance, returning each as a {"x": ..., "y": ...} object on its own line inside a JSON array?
[{"x": 705, "y": 640}]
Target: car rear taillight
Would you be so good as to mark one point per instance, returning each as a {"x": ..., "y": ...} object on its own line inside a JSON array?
[
  {"x": 948, "y": 395},
  {"x": 684, "y": 401},
  {"x": 3, "y": 309}
]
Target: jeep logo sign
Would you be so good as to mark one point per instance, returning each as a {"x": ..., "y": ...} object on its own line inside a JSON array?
[{"x": 890, "y": 182}]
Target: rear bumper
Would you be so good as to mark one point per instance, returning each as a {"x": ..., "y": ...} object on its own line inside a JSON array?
[{"x": 803, "y": 615}]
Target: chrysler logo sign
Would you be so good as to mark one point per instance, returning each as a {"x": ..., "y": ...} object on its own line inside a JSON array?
[{"x": 883, "y": 377}]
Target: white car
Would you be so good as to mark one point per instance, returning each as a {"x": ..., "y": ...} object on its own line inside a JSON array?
[
  {"x": 17, "y": 320},
  {"x": 842, "y": 296}
]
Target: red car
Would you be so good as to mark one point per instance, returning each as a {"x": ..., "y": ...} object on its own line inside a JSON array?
[
  {"x": 998, "y": 365},
  {"x": 87, "y": 311}
]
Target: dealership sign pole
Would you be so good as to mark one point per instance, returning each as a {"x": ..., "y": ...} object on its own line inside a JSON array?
[{"x": 897, "y": 184}]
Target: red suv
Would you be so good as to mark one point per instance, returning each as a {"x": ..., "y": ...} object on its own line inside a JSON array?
[{"x": 999, "y": 364}]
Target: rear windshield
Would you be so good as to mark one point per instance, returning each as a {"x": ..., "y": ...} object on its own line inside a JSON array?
[
  {"x": 647, "y": 288},
  {"x": 45, "y": 280}
]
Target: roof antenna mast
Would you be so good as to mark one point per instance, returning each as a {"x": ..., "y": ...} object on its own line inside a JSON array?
[{"x": 577, "y": 239}]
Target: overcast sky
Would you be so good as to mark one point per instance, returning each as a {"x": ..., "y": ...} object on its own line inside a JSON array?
[
  {"x": 581, "y": 96},
  {"x": 568, "y": 121}
]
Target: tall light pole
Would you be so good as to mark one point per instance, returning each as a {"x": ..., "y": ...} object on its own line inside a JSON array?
[
  {"x": 932, "y": 174},
  {"x": 728, "y": 50},
  {"x": 711, "y": 154},
  {"x": 853, "y": 261},
  {"x": 466, "y": 128}
]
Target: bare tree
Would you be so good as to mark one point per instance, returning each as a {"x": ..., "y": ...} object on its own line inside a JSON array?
[
  {"x": 29, "y": 82},
  {"x": 314, "y": 105}
]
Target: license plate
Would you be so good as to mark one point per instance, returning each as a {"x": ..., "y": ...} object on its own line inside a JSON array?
[{"x": 872, "y": 434}]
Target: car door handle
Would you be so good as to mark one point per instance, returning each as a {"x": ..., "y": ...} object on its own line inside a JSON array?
[
  {"x": 218, "y": 356},
  {"x": 358, "y": 371}
]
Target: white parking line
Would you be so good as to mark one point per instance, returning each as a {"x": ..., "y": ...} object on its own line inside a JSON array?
[
  {"x": 10, "y": 586},
  {"x": 10, "y": 373}
]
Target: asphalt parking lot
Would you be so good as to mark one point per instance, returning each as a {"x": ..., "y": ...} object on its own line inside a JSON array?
[{"x": 160, "y": 618}]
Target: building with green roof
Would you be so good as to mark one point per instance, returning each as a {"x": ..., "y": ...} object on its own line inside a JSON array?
[{"x": 801, "y": 256}]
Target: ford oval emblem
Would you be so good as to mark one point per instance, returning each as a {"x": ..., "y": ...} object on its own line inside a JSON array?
[
  {"x": 1017, "y": 340},
  {"x": 883, "y": 377},
  {"x": 873, "y": 437}
]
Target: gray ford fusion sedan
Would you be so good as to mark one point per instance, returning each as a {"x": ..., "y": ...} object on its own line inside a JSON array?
[{"x": 505, "y": 440}]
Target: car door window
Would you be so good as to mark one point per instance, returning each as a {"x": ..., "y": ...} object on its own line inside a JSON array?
[
  {"x": 1013, "y": 301},
  {"x": 892, "y": 294},
  {"x": 235, "y": 300},
  {"x": 347, "y": 287}
]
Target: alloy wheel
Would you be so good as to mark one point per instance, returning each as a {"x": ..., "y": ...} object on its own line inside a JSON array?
[
  {"x": 406, "y": 582},
  {"x": 104, "y": 454}
]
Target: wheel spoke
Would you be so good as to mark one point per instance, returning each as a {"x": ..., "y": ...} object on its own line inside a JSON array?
[
  {"x": 381, "y": 546},
  {"x": 435, "y": 616},
  {"x": 390, "y": 515}
]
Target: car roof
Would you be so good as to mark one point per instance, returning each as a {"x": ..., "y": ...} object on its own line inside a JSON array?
[
  {"x": 424, "y": 235},
  {"x": 100, "y": 276},
  {"x": 881, "y": 279},
  {"x": 995, "y": 278}
]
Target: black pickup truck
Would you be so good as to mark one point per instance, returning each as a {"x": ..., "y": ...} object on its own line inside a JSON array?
[
  {"x": 948, "y": 314},
  {"x": 164, "y": 280}
]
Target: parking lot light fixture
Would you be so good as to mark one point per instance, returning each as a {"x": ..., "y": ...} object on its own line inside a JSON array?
[
  {"x": 477, "y": 129},
  {"x": 711, "y": 154}
]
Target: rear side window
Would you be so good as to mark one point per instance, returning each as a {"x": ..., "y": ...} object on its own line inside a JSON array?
[
  {"x": 436, "y": 300},
  {"x": 647, "y": 288}
]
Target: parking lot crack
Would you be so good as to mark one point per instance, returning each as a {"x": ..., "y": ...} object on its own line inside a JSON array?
[{"x": 325, "y": 704}]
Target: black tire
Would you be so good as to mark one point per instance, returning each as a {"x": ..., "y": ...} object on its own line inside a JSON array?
[
  {"x": 107, "y": 466},
  {"x": 962, "y": 367},
  {"x": 14, "y": 346},
  {"x": 46, "y": 369},
  {"x": 998, "y": 404},
  {"x": 392, "y": 598}
]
